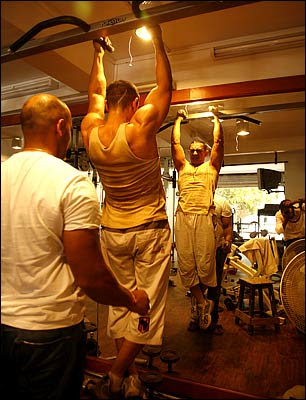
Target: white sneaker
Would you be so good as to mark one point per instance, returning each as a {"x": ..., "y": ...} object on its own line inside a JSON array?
[
  {"x": 204, "y": 314},
  {"x": 194, "y": 308},
  {"x": 132, "y": 387}
]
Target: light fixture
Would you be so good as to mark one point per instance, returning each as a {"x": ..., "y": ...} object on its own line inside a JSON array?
[
  {"x": 242, "y": 127},
  {"x": 17, "y": 143},
  {"x": 277, "y": 42},
  {"x": 40, "y": 85},
  {"x": 143, "y": 33}
]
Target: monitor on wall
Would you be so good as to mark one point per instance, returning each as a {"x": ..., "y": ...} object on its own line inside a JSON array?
[{"x": 268, "y": 179}]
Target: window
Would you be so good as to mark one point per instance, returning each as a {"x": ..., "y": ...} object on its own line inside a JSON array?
[{"x": 253, "y": 209}]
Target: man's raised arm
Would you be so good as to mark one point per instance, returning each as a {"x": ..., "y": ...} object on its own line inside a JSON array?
[
  {"x": 178, "y": 154},
  {"x": 157, "y": 102},
  {"x": 217, "y": 151},
  {"x": 96, "y": 94}
]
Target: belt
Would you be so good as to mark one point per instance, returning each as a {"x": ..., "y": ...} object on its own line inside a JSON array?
[{"x": 161, "y": 224}]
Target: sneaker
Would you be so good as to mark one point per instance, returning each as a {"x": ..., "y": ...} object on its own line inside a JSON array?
[
  {"x": 204, "y": 311},
  {"x": 194, "y": 308},
  {"x": 132, "y": 387},
  {"x": 100, "y": 390}
]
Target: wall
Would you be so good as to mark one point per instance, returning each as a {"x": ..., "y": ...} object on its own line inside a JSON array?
[{"x": 295, "y": 175}]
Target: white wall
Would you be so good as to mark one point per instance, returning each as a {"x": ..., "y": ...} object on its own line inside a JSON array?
[{"x": 295, "y": 175}]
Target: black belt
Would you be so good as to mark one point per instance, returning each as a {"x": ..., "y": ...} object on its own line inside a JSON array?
[{"x": 161, "y": 224}]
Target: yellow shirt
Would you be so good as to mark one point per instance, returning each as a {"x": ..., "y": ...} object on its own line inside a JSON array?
[
  {"x": 134, "y": 192},
  {"x": 196, "y": 187}
]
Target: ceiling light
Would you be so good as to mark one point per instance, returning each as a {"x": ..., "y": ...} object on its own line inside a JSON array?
[
  {"x": 242, "y": 127},
  {"x": 17, "y": 143},
  {"x": 25, "y": 88},
  {"x": 143, "y": 33},
  {"x": 278, "y": 42}
]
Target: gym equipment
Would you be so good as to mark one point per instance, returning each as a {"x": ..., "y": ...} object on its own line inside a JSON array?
[
  {"x": 48, "y": 24},
  {"x": 256, "y": 283},
  {"x": 292, "y": 291},
  {"x": 164, "y": 13},
  {"x": 170, "y": 357},
  {"x": 234, "y": 262},
  {"x": 150, "y": 380},
  {"x": 106, "y": 45},
  {"x": 291, "y": 251},
  {"x": 151, "y": 352}
]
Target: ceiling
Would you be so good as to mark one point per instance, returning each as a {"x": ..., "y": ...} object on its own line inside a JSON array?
[{"x": 186, "y": 39}]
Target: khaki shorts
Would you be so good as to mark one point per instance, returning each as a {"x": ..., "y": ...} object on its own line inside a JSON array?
[
  {"x": 139, "y": 259},
  {"x": 196, "y": 249}
]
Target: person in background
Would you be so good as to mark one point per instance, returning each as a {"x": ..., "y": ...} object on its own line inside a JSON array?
[
  {"x": 223, "y": 232},
  {"x": 194, "y": 229},
  {"x": 136, "y": 234},
  {"x": 290, "y": 220},
  {"x": 50, "y": 260}
]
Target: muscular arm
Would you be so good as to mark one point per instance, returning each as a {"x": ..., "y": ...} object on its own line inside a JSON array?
[
  {"x": 96, "y": 95},
  {"x": 227, "y": 233},
  {"x": 280, "y": 223},
  {"x": 217, "y": 151},
  {"x": 151, "y": 115},
  {"x": 83, "y": 252},
  {"x": 178, "y": 154}
]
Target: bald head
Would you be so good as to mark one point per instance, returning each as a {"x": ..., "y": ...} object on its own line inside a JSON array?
[
  {"x": 46, "y": 124},
  {"x": 42, "y": 112}
]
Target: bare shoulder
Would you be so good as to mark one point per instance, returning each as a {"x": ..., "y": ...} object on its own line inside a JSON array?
[
  {"x": 146, "y": 117},
  {"x": 142, "y": 145}
]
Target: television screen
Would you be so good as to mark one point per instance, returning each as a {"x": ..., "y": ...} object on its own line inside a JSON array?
[{"x": 268, "y": 178}]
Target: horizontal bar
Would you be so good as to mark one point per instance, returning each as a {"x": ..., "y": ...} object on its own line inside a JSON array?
[
  {"x": 111, "y": 26},
  {"x": 240, "y": 116},
  {"x": 221, "y": 116}
]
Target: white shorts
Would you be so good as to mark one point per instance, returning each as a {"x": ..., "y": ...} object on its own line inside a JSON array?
[
  {"x": 196, "y": 249},
  {"x": 140, "y": 258}
]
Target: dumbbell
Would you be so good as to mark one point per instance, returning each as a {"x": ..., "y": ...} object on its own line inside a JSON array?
[
  {"x": 151, "y": 352},
  {"x": 150, "y": 380},
  {"x": 170, "y": 357}
]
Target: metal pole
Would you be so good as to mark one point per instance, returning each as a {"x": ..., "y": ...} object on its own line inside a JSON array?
[{"x": 165, "y": 13}]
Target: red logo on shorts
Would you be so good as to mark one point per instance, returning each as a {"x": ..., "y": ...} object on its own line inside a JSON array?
[{"x": 143, "y": 324}]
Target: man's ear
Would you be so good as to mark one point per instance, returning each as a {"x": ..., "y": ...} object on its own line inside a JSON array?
[
  {"x": 60, "y": 127},
  {"x": 106, "y": 106},
  {"x": 136, "y": 103}
]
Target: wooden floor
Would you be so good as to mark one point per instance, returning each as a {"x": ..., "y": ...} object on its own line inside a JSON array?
[{"x": 266, "y": 364}]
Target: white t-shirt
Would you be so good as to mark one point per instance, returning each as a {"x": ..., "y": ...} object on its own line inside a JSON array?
[
  {"x": 41, "y": 196},
  {"x": 223, "y": 209},
  {"x": 293, "y": 230}
]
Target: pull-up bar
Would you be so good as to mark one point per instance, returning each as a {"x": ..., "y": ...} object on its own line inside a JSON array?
[{"x": 85, "y": 32}]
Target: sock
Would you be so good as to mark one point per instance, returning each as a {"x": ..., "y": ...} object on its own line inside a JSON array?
[{"x": 115, "y": 382}]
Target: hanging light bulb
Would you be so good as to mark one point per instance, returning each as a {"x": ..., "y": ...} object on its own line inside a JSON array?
[
  {"x": 143, "y": 33},
  {"x": 242, "y": 127}
]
